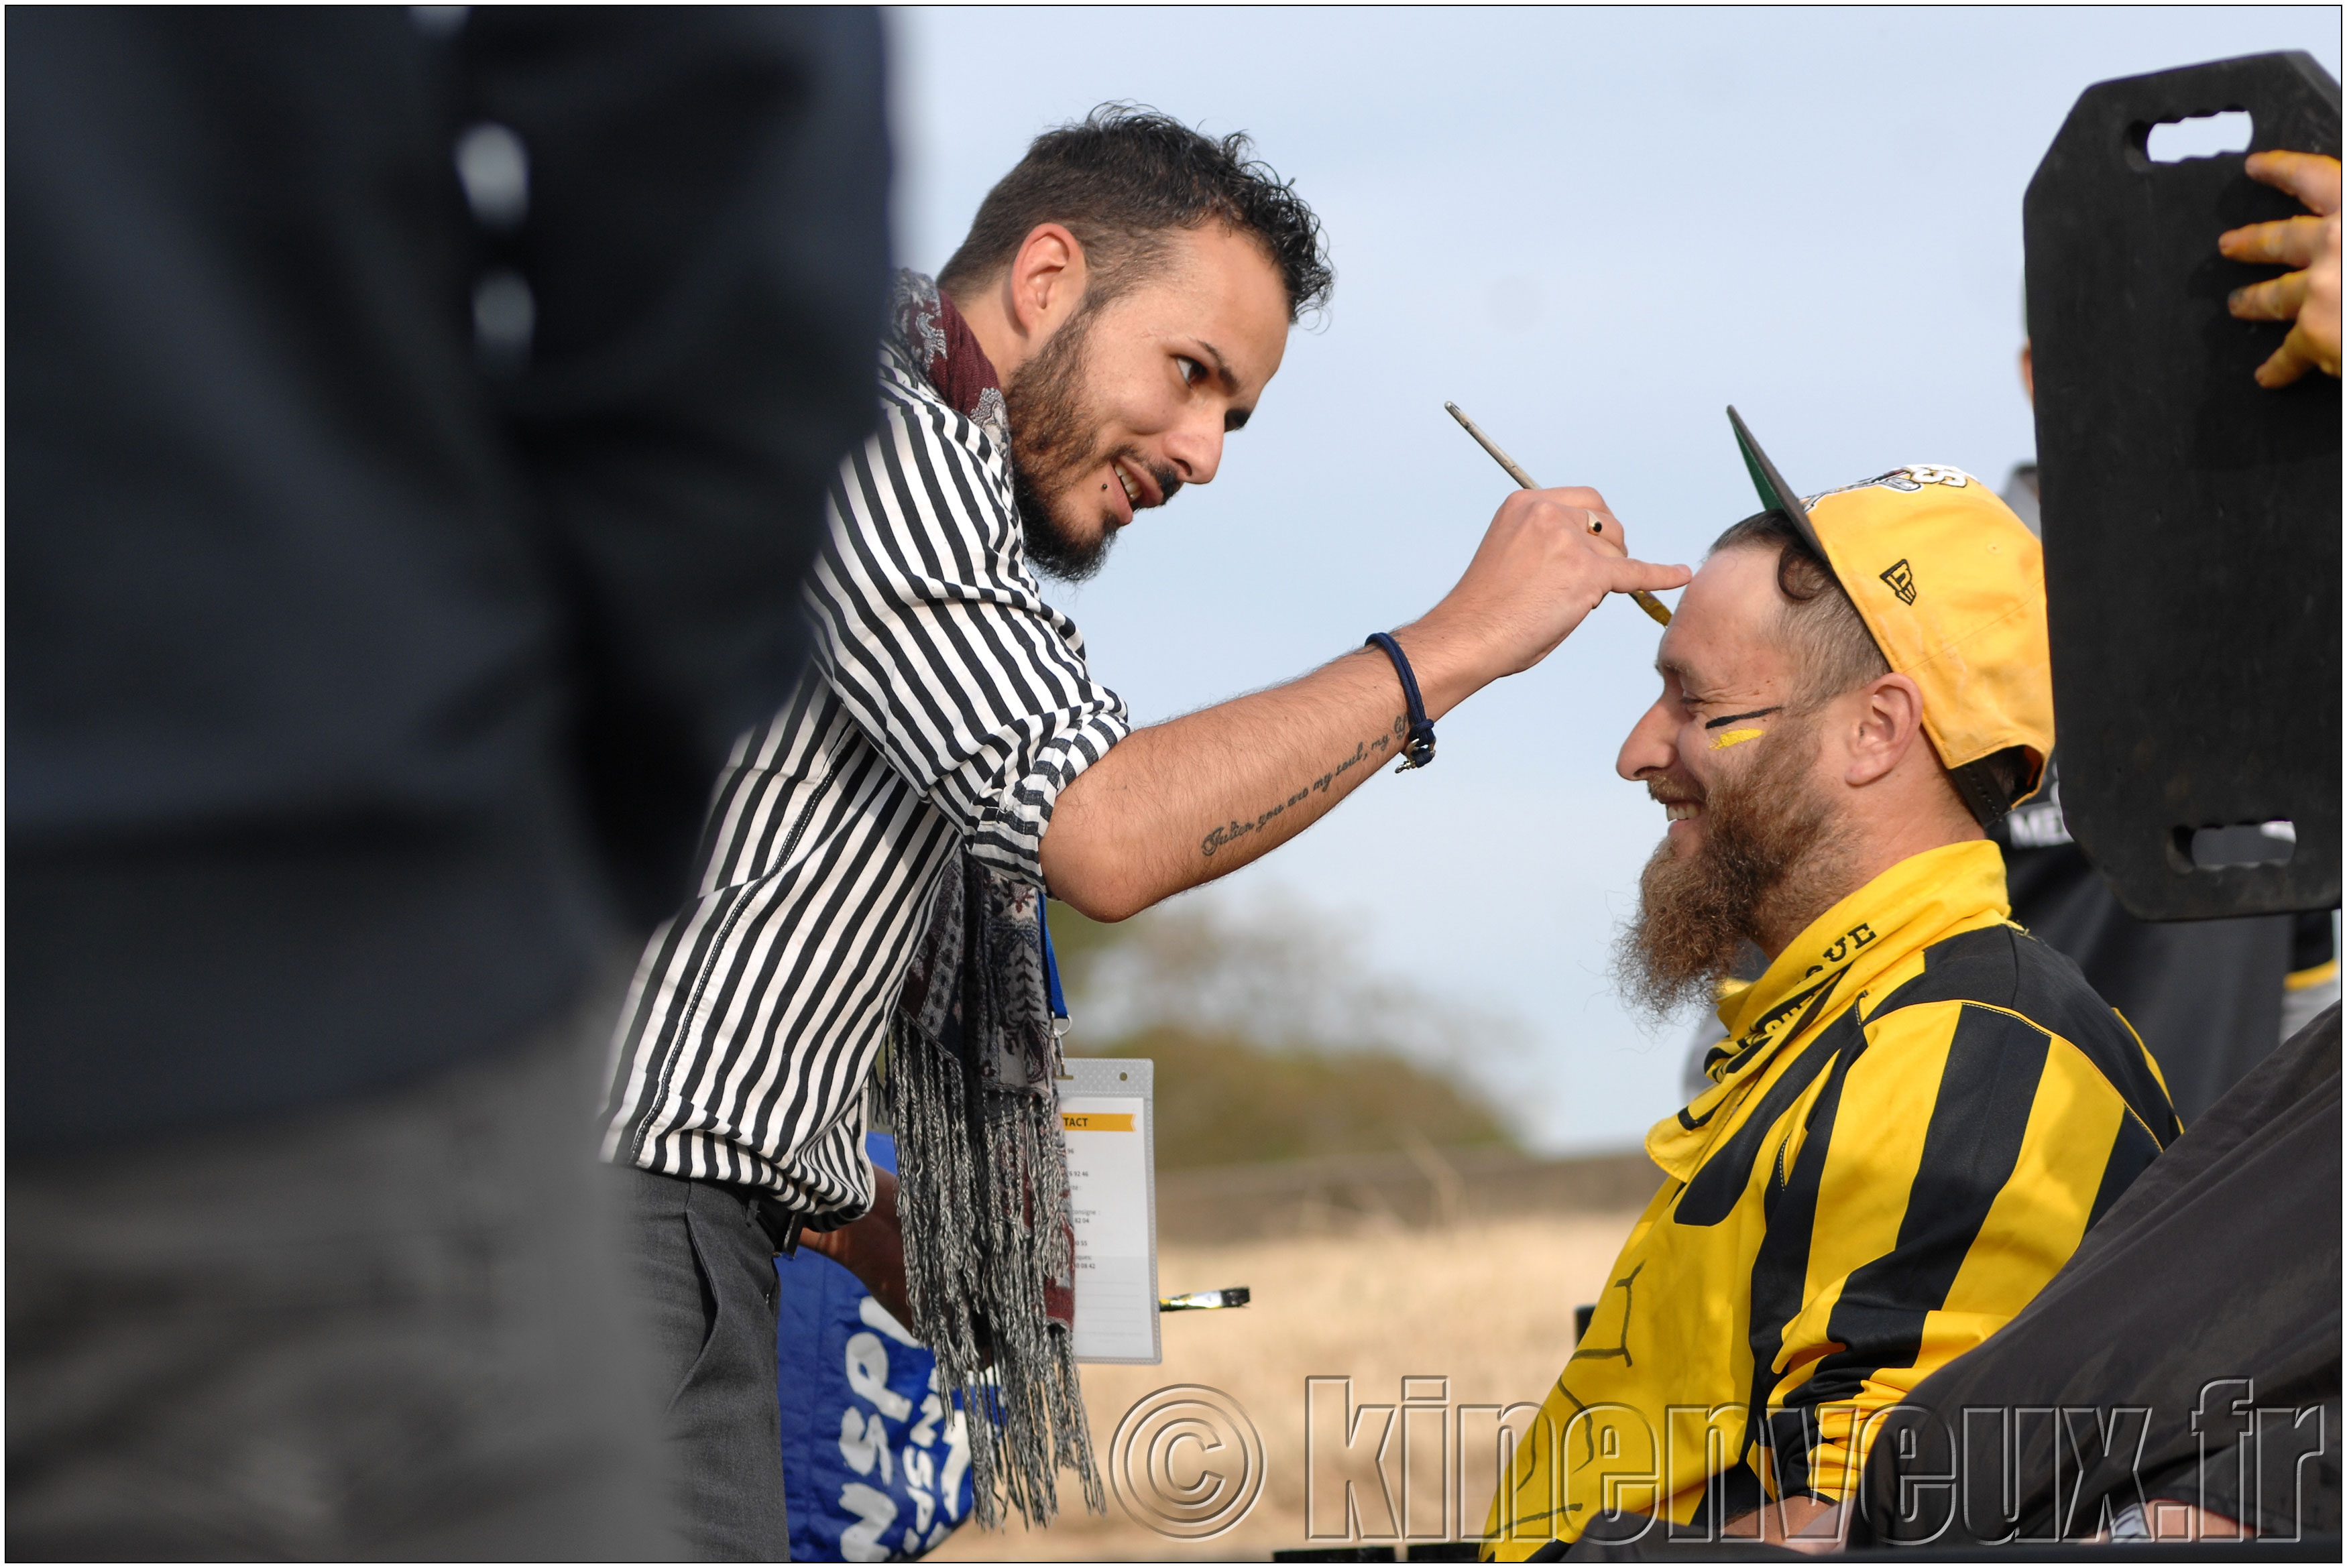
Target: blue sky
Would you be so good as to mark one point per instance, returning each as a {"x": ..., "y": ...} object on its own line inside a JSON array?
[{"x": 1593, "y": 229}]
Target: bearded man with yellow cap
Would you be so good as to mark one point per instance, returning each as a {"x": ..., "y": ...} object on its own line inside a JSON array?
[{"x": 1918, "y": 1109}]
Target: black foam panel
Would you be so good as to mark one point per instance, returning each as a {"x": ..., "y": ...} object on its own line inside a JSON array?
[{"x": 2191, "y": 517}]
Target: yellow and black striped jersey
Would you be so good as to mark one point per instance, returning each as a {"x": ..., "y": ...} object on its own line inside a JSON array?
[{"x": 1917, "y": 1113}]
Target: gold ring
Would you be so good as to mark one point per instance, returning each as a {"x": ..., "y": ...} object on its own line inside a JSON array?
[{"x": 1596, "y": 523}]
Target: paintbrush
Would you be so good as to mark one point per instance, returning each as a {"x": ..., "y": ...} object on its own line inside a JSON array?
[{"x": 1646, "y": 601}]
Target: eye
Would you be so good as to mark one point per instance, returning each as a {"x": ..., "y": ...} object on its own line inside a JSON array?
[{"x": 1192, "y": 372}]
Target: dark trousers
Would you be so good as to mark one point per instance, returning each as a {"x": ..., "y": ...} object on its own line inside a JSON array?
[
  {"x": 394, "y": 1328},
  {"x": 706, "y": 1268}
]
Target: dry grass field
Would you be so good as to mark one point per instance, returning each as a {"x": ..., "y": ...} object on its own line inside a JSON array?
[{"x": 1489, "y": 1306}]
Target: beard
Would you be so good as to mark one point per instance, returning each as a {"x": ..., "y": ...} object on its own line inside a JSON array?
[
  {"x": 1773, "y": 858},
  {"x": 1054, "y": 443}
]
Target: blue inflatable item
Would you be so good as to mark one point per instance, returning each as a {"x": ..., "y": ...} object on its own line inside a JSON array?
[{"x": 876, "y": 1462}]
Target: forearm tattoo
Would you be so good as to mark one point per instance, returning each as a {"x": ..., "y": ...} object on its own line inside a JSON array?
[{"x": 1368, "y": 752}]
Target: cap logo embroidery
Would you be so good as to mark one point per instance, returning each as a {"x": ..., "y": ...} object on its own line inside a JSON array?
[
  {"x": 1902, "y": 578},
  {"x": 1909, "y": 480}
]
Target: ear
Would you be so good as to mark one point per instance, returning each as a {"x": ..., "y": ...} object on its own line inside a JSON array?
[
  {"x": 1889, "y": 724},
  {"x": 1045, "y": 280}
]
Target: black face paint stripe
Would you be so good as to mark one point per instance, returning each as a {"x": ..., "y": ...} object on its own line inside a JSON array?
[{"x": 1755, "y": 713}]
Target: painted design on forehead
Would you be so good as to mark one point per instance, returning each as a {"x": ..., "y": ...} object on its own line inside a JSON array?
[
  {"x": 1737, "y": 737},
  {"x": 1755, "y": 713}
]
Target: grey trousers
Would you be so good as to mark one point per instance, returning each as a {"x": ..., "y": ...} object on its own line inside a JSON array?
[
  {"x": 706, "y": 1269},
  {"x": 392, "y": 1328}
]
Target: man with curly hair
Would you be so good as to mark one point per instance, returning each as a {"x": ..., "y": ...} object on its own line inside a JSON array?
[{"x": 875, "y": 853}]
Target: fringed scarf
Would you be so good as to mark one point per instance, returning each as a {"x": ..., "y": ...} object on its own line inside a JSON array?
[{"x": 990, "y": 1251}]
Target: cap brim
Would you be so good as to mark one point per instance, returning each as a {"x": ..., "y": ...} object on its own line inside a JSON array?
[{"x": 1775, "y": 495}]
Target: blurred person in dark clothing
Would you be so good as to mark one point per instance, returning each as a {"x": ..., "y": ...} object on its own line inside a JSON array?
[{"x": 418, "y": 421}]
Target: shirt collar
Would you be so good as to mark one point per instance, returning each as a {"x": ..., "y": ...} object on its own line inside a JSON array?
[
  {"x": 930, "y": 330},
  {"x": 1923, "y": 900}
]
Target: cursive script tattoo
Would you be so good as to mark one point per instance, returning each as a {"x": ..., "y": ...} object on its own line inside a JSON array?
[{"x": 1371, "y": 751}]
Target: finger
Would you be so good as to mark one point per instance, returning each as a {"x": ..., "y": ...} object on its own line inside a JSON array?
[
  {"x": 2285, "y": 365},
  {"x": 2316, "y": 334},
  {"x": 2275, "y": 299},
  {"x": 1621, "y": 576},
  {"x": 2309, "y": 176},
  {"x": 2298, "y": 353},
  {"x": 2286, "y": 242}
]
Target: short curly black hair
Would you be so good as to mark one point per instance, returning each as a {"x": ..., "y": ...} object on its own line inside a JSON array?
[{"x": 1123, "y": 178}]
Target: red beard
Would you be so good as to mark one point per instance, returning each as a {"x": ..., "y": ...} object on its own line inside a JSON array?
[{"x": 1771, "y": 855}]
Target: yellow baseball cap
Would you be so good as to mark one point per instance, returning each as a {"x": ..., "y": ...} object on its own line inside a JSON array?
[{"x": 1952, "y": 587}]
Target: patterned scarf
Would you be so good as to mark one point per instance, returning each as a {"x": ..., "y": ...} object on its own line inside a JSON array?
[{"x": 989, "y": 1252}]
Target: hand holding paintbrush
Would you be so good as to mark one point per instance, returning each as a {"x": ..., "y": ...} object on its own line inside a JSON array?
[{"x": 1646, "y": 601}]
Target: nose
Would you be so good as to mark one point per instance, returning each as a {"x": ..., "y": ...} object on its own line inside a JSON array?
[
  {"x": 1652, "y": 745},
  {"x": 1196, "y": 450}
]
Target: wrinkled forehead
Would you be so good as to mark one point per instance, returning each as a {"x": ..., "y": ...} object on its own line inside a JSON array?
[{"x": 1726, "y": 633}]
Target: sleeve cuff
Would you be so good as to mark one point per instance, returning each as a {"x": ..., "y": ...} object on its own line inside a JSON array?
[{"x": 1009, "y": 836}]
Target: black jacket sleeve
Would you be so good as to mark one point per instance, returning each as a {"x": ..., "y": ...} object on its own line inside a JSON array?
[
  {"x": 392, "y": 560},
  {"x": 705, "y": 247}
]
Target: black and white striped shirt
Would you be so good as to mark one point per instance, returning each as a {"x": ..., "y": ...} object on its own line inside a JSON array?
[{"x": 945, "y": 703}]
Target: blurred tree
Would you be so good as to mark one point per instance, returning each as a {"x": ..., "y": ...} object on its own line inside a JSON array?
[
  {"x": 1270, "y": 1042},
  {"x": 1224, "y": 1100}
]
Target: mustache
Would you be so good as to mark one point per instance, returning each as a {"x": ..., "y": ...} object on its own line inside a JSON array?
[
  {"x": 1665, "y": 790},
  {"x": 1168, "y": 482}
]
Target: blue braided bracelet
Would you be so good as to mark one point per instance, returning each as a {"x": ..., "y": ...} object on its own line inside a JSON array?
[{"x": 1419, "y": 750}]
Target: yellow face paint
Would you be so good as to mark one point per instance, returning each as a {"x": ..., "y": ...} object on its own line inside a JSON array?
[{"x": 1728, "y": 738}]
